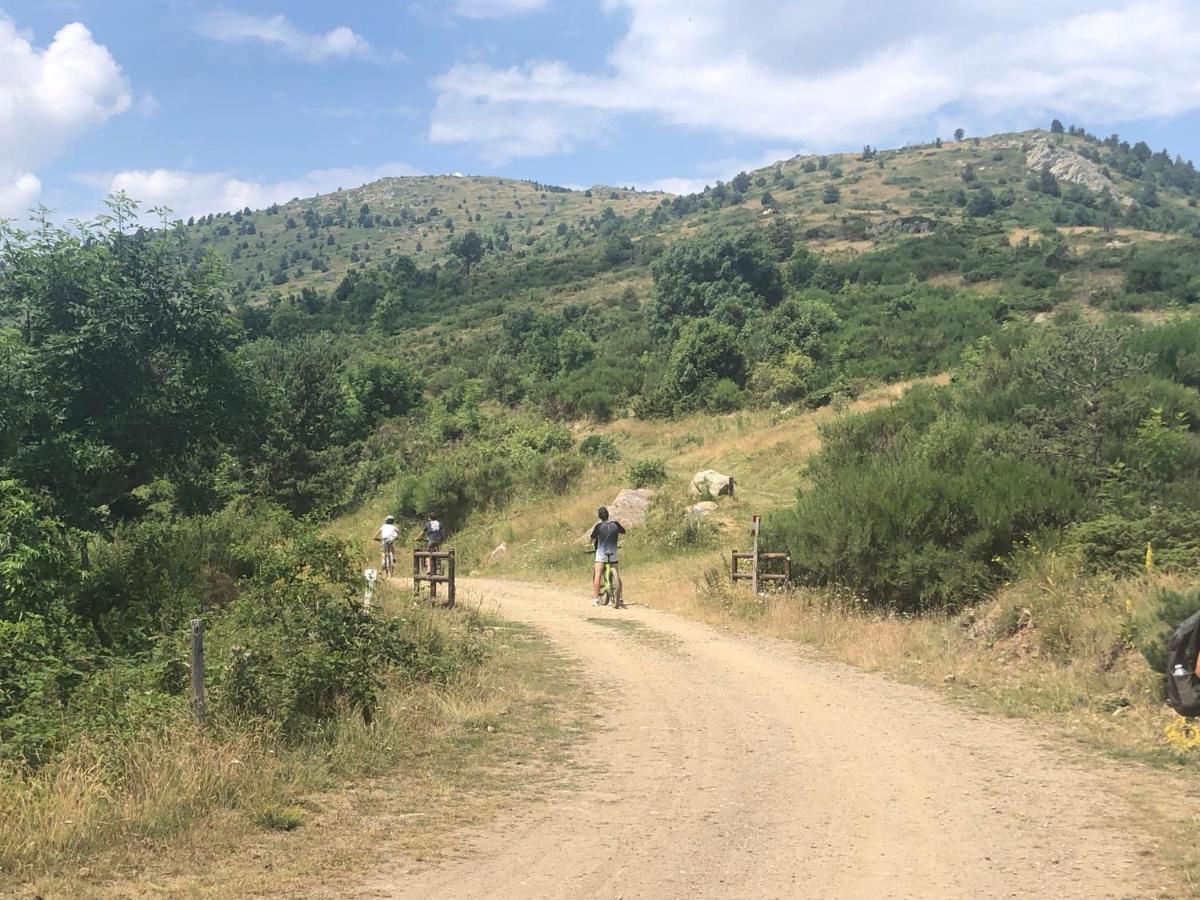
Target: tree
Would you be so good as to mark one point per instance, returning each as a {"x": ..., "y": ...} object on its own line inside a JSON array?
[
  {"x": 740, "y": 182},
  {"x": 767, "y": 199},
  {"x": 981, "y": 203},
  {"x": 831, "y": 194},
  {"x": 703, "y": 354},
  {"x": 1056, "y": 127},
  {"x": 384, "y": 386},
  {"x": 800, "y": 267},
  {"x": 468, "y": 247},
  {"x": 1048, "y": 184},
  {"x": 129, "y": 355},
  {"x": 697, "y": 273},
  {"x": 959, "y": 134}
]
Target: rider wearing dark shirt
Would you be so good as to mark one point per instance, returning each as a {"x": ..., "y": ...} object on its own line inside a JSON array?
[{"x": 604, "y": 538}]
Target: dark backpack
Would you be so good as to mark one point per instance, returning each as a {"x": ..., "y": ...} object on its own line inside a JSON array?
[{"x": 1183, "y": 689}]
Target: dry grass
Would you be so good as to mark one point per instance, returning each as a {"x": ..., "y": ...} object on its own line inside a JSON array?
[{"x": 182, "y": 813}]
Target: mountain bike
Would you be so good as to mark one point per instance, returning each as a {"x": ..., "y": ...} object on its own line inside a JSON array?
[
  {"x": 389, "y": 557},
  {"x": 610, "y": 584}
]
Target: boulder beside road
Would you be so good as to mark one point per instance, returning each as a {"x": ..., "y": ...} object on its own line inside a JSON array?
[
  {"x": 712, "y": 483},
  {"x": 629, "y": 507}
]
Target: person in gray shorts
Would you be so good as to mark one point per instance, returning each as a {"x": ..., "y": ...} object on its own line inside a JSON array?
[{"x": 604, "y": 538}]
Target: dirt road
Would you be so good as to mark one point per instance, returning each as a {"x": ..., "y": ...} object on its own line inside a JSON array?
[{"x": 735, "y": 768}]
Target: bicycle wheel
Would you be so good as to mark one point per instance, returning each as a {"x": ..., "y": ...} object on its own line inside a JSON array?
[{"x": 614, "y": 586}]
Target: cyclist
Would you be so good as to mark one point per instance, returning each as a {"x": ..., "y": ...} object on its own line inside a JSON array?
[
  {"x": 604, "y": 538},
  {"x": 386, "y": 535},
  {"x": 432, "y": 532}
]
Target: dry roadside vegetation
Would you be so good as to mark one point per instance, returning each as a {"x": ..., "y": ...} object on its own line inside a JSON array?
[{"x": 233, "y": 812}]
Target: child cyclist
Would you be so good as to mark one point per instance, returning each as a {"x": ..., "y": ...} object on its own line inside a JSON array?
[
  {"x": 604, "y": 538},
  {"x": 386, "y": 535}
]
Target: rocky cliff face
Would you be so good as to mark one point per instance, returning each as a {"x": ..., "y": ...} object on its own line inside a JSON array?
[{"x": 1067, "y": 165}]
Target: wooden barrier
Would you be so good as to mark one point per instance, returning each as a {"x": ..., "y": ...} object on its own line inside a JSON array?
[
  {"x": 437, "y": 574},
  {"x": 756, "y": 575}
]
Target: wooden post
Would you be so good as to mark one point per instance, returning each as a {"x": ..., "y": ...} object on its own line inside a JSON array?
[
  {"x": 450, "y": 587},
  {"x": 754, "y": 576},
  {"x": 416, "y": 573},
  {"x": 433, "y": 570},
  {"x": 198, "y": 706}
]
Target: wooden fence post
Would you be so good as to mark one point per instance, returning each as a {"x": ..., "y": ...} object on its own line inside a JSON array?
[
  {"x": 450, "y": 587},
  {"x": 198, "y": 705},
  {"x": 754, "y": 578}
]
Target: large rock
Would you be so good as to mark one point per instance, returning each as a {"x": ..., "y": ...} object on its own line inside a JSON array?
[
  {"x": 712, "y": 483},
  {"x": 701, "y": 510},
  {"x": 629, "y": 507},
  {"x": 1067, "y": 165}
]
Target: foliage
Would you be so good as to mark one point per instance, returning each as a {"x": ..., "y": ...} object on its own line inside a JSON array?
[
  {"x": 697, "y": 275},
  {"x": 126, "y": 363},
  {"x": 647, "y": 473},
  {"x": 599, "y": 447},
  {"x": 918, "y": 505}
]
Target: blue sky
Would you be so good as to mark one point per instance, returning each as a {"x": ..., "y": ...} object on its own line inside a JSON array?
[{"x": 204, "y": 106}]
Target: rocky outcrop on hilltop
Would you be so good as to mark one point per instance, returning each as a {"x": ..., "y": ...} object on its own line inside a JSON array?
[{"x": 1067, "y": 165}]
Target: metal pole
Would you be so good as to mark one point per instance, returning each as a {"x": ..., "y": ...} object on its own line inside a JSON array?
[{"x": 198, "y": 705}]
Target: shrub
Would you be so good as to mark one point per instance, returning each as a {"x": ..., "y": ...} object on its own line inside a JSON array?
[
  {"x": 725, "y": 396},
  {"x": 647, "y": 473},
  {"x": 911, "y": 535},
  {"x": 599, "y": 447}
]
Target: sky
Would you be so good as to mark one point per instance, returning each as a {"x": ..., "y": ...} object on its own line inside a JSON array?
[{"x": 207, "y": 107}]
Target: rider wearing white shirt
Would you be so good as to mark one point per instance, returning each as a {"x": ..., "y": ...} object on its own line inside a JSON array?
[{"x": 388, "y": 532}]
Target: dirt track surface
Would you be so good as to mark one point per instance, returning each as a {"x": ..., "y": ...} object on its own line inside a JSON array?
[{"x": 727, "y": 767}]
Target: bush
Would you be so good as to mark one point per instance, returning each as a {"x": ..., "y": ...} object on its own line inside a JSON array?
[
  {"x": 726, "y": 396},
  {"x": 599, "y": 447},
  {"x": 648, "y": 473},
  {"x": 913, "y": 536}
]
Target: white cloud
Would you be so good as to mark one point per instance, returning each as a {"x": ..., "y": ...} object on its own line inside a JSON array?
[
  {"x": 280, "y": 32},
  {"x": 497, "y": 9},
  {"x": 49, "y": 97},
  {"x": 18, "y": 190},
  {"x": 712, "y": 172},
  {"x": 839, "y": 73},
  {"x": 675, "y": 185},
  {"x": 189, "y": 193}
]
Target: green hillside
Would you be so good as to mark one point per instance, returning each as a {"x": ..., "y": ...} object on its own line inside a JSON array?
[
  {"x": 313, "y": 242},
  {"x": 840, "y": 203}
]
